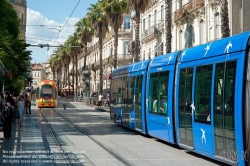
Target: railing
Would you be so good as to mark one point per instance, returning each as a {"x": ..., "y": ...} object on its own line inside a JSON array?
[
  {"x": 20, "y": 2},
  {"x": 22, "y": 27},
  {"x": 124, "y": 57},
  {"x": 187, "y": 8},
  {"x": 214, "y": 2},
  {"x": 152, "y": 30},
  {"x": 96, "y": 65}
]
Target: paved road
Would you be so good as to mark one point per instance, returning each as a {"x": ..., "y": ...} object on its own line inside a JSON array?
[{"x": 100, "y": 141}]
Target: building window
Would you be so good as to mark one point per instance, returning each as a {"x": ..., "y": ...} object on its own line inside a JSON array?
[
  {"x": 216, "y": 26},
  {"x": 155, "y": 17},
  {"x": 180, "y": 3},
  {"x": 189, "y": 36},
  {"x": 180, "y": 40},
  {"x": 149, "y": 21},
  {"x": 143, "y": 26},
  {"x": 126, "y": 22},
  {"x": 202, "y": 32},
  {"x": 162, "y": 13},
  {"x": 126, "y": 48},
  {"x": 149, "y": 53}
]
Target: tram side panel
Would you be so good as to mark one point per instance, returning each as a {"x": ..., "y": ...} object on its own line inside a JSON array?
[{"x": 209, "y": 106}]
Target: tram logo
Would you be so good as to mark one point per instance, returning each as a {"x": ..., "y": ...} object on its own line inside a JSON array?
[
  {"x": 170, "y": 58},
  {"x": 203, "y": 137},
  {"x": 229, "y": 45},
  {"x": 207, "y": 49}
]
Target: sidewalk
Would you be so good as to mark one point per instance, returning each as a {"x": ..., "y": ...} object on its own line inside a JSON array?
[
  {"x": 81, "y": 105},
  {"x": 25, "y": 139}
]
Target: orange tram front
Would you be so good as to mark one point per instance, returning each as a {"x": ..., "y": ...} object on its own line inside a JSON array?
[{"x": 46, "y": 94}]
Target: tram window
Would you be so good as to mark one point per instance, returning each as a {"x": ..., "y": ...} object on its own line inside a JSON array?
[
  {"x": 158, "y": 94},
  {"x": 46, "y": 91},
  {"x": 203, "y": 84}
]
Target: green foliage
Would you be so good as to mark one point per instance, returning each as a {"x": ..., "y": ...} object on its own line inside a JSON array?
[{"x": 13, "y": 51}]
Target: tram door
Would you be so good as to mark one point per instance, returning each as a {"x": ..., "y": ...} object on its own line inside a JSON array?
[
  {"x": 224, "y": 127},
  {"x": 184, "y": 109},
  {"x": 138, "y": 100}
]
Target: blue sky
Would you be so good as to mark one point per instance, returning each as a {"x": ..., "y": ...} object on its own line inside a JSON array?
[{"x": 45, "y": 16}]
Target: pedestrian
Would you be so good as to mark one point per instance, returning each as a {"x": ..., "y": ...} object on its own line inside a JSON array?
[
  {"x": 107, "y": 99},
  {"x": 21, "y": 109},
  {"x": 7, "y": 114},
  {"x": 100, "y": 100},
  {"x": 27, "y": 104},
  {"x": 14, "y": 96}
]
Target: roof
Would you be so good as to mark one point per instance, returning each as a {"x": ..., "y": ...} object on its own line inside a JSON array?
[{"x": 219, "y": 47}]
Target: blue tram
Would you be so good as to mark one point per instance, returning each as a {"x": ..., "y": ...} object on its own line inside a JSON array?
[{"x": 198, "y": 98}]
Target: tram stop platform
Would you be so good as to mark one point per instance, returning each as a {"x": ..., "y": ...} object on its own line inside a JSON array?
[
  {"x": 26, "y": 145},
  {"x": 24, "y": 142}
]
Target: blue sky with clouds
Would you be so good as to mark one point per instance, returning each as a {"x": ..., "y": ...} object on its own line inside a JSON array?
[{"x": 45, "y": 16}]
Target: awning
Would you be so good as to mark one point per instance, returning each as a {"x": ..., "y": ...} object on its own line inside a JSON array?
[{"x": 106, "y": 77}]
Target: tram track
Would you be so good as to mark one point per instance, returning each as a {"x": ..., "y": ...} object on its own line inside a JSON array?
[
  {"x": 63, "y": 155},
  {"x": 118, "y": 157}
]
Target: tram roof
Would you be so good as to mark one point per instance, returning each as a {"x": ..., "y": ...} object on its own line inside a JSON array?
[
  {"x": 163, "y": 60},
  {"x": 138, "y": 66},
  {"x": 214, "y": 48}
]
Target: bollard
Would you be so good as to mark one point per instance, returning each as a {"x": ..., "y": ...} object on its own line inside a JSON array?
[{"x": 64, "y": 106}]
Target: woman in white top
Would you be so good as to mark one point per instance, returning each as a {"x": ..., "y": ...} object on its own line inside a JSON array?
[{"x": 21, "y": 108}]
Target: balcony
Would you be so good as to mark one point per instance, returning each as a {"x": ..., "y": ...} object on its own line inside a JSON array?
[
  {"x": 105, "y": 61},
  {"x": 124, "y": 59},
  {"x": 22, "y": 27},
  {"x": 111, "y": 59},
  {"x": 151, "y": 3},
  {"x": 96, "y": 65},
  {"x": 214, "y": 2},
  {"x": 187, "y": 9},
  {"x": 150, "y": 34},
  {"x": 19, "y": 2}
]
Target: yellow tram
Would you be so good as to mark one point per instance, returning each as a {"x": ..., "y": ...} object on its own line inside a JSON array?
[{"x": 46, "y": 94}]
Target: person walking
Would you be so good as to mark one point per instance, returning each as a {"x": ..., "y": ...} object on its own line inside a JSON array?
[
  {"x": 27, "y": 104},
  {"x": 100, "y": 100},
  {"x": 7, "y": 114},
  {"x": 14, "y": 96},
  {"x": 21, "y": 109}
]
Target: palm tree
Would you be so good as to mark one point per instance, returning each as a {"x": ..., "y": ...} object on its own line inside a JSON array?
[
  {"x": 168, "y": 21},
  {"x": 139, "y": 6},
  {"x": 224, "y": 19},
  {"x": 85, "y": 31},
  {"x": 74, "y": 51},
  {"x": 115, "y": 10},
  {"x": 99, "y": 20}
]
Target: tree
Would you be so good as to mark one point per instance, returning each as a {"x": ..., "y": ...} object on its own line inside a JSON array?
[
  {"x": 13, "y": 51},
  {"x": 139, "y": 6},
  {"x": 115, "y": 10},
  {"x": 168, "y": 21},
  {"x": 99, "y": 20},
  {"x": 224, "y": 19},
  {"x": 85, "y": 31}
]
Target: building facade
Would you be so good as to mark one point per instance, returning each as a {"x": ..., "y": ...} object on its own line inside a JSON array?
[
  {"x": 194, "y": 22},
  {"x": 21, "y": 9},
  {"x": 38, "y": 73}
]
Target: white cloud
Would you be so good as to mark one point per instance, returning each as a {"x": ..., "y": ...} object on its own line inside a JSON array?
[{"x": 37, "y": 32}]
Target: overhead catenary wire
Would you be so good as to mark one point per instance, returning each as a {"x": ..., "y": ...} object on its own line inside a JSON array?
[{"x": 66, "y": 22}]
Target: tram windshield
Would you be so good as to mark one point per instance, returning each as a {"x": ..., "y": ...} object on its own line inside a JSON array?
[{"x": 46, "y": 91}]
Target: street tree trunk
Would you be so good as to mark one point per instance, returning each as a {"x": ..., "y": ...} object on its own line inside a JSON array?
[
  {"x": 115, "y": 46},
  {"x": 225, "y": 31},
  {"x": 100, "y": 58},
  {"x": 137, "y": 41},
  {"x": 168, "y": 25}
]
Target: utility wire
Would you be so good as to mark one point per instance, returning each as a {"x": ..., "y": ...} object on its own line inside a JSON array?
[{"x": 66, "y": 22}]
